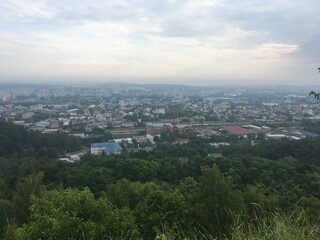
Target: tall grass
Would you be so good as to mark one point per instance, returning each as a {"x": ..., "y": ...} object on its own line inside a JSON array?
[{"x": 276, "y": 226}]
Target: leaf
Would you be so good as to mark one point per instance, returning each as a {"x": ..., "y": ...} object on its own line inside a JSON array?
[{"x": 316, "y": 95}]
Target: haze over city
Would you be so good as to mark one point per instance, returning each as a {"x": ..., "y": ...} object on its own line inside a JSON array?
[{"x": 146, "y": 41}]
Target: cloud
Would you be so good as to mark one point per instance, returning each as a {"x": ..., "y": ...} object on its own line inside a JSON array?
[
  {"x": 24, "y": 11},
  {"x": 148, "y": 39}
]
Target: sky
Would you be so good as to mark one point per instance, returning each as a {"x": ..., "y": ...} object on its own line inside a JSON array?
[{"x": 193, "y": 42}]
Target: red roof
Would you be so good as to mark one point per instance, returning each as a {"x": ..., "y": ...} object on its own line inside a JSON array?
[{"x": 236, "y": 130}]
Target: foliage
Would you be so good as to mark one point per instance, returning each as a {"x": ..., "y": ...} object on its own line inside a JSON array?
[
  {"x": 216, "y": 202},
  {"x": 26, "y": 188},
  {"x": 22, "y": 142},
  {"x": 278, "y": 226},
  {"x": 315, "y": 94},
  {"x": 74, "y": 214},
  {"x": 173, "y": 192}
]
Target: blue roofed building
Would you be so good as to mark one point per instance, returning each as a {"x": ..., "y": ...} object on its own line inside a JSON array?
[
  {"x": 305, "y": 134},
  {"x": 309, "y": 134},
  {"x": 37, "y": 127},
  {"x": 109, "y": 148}
]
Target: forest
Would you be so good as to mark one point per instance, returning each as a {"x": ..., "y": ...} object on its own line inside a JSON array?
[{"x": 270, "y": 190}]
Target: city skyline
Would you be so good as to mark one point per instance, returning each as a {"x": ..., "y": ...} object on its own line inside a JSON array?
[{"x": 181, "y": 42}]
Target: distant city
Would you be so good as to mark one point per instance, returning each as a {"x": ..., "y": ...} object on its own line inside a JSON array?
[{"x": 141, "y": 112}]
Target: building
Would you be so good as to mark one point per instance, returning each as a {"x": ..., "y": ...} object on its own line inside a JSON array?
[
  {"x": 215, "y": 155},
  {"x": 236, "y": 130},
  {"x": 37, "y": 127},
  {"x": 270, "y": 136},
  {"x": 108, "y": 148},
  {"x": 151, "y": 139},
  {"x": 27, "y": 115},
  {"x": 305, "y": 134},
  {"x": 219, "y": 144},
  {"x": 141, "y": 139},
  {"x": 74, "y": 156},
  {"x": 182, "y": 128},
  {"x": 158, "y": 128},
  {"x": 54, "y": 124},
  {"x": 266, "y": 129},
  {"x": 160, "y": 110},
  {"x": 254, "y": 128},
  {"x": 19, "y": 122}
]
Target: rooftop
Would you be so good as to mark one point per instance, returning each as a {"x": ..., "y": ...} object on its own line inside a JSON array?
[
  {"x": 112, "y": 147},
  {"x": 236, "y": 130}
]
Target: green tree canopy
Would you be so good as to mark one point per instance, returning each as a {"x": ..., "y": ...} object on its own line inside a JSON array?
[{"x": 75, "y": 214}]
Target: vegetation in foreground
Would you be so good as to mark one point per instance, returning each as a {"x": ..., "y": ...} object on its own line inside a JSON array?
[{"x": 267, "y": 191}]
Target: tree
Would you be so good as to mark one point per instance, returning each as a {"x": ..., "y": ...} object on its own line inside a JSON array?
[
  {"x": 161, "y": 211},
  {"x": 216, "y": 203},
  {"x": 6, "y": 208},
  {"x": 125, "y": 193},
  {"x": 18, "y": 117},
  {"x": 26, "y": 188},
  {"x": 6, "y": 216},
  {"x": 109, "y": 125},
  {"x": 315, "y": 94},
  {"x": 75, "y": 214}
]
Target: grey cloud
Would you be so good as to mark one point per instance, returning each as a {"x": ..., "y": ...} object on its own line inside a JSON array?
[
  {"x": 283, "y": 21},
  {"x": 108, "y": 10},
  {"x": 161, "y": 25}
]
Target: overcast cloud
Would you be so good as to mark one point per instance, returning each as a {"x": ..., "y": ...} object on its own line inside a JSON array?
[{"x": 167, "y": 41}]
